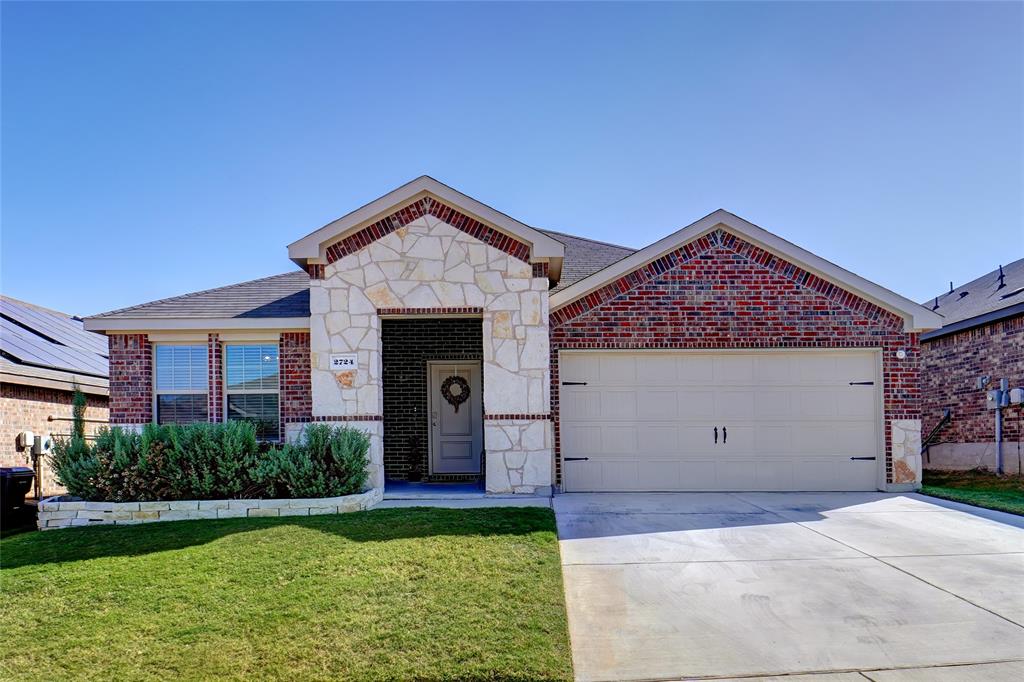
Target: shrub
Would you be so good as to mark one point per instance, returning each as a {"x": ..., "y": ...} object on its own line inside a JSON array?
[
  {"x": 328, "y": 462},
  {"x": 210, "y": 461}
]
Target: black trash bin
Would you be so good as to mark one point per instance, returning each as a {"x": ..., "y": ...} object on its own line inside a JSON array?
[{"x": 15, "y": 482}]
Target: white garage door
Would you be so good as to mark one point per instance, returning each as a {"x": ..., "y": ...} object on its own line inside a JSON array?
[{"x": 750, "y": 420}]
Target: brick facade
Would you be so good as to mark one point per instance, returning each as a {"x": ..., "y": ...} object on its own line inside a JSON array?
[
  {"x": 131, "y": 379},
  {"x": 296, "y": 392},
  {"x": 215, "y": 382},
  {"x": 722, "y": 292},
  {"x": 432, "y": 207},
  {"x": 29, "y": 408},
  {"x": 408, "y": 345},
  {"x": 949, "y": 369}
]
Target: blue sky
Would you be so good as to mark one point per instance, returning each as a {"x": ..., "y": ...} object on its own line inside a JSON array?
[{"x": 155, "y": 149}]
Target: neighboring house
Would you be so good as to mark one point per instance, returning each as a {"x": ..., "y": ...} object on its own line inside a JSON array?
[
  {"x": 471, "y": 345},
  {"x": 43, "y": 355},
  {"x": 982, "y": 336}
]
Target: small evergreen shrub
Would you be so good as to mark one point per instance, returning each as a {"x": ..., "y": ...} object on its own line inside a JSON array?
[
  {"x": 327, "y": 463},
  {"x": 210, "y": 461}
]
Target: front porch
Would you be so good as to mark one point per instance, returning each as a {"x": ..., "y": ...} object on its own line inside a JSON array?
[{"x": 428, "y": 439}]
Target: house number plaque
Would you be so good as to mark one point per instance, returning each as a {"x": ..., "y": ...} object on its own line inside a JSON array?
[{"x": 343, "y": 361}]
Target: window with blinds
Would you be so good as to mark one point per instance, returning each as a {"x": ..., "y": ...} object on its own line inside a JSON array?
[
  {"x": 252, "y": 387},
  {"x": 180, "y": 386}
]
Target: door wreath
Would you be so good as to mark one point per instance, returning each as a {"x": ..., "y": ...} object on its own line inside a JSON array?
[{"x": 455, "y": 390}]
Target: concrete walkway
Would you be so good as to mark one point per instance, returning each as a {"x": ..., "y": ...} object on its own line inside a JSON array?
[{"x": 848, "y": 586}]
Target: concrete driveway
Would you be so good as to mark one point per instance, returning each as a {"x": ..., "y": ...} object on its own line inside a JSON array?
[{"x": 850, "y": 586}]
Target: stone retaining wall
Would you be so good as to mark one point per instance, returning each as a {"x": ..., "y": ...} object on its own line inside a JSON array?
[{"x": 54, "y": 513}]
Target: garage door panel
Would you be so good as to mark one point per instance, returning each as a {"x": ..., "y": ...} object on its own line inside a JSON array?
[
  {"x": 696, "y": 404},
  {"x": 659, "y": 475},
  {"x": 657, "y": 370},
  {"x": 658, "y": 404},
  {"x": 659, "y": 440},
  {"x": 646, "y": 420},
  {"x": 733, "y": 369},
  {"x": 617, "y": 404},
  {"x": 694, "y": 370},
  {"x": 617, "y": 369},
  {"x": 619, "y": 439}
]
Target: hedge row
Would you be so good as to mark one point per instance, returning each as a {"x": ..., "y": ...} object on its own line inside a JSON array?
[{"x": 211, "y": 461}]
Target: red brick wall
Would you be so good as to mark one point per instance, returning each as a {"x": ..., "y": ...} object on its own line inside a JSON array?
[
  {"x": 28, "y": 408},
  {"x": 131, "y": 379},
  {"x": 215, "y": 379},
  {"x": 296, "y": 383},
  {"x": 949, "y": 367},
  {"x": 723, "y": 292}
]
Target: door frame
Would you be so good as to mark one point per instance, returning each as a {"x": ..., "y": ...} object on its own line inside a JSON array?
[
  {"x": 478, "y": 365},
  {"x": 879, "y": 379}
]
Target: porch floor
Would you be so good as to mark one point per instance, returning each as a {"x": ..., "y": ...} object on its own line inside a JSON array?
[{"x": 407, "y": 490}]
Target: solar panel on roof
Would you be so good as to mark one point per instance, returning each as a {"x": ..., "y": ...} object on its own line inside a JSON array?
[
  {"x": 29, "y": 348},
  {"x": 60, "y": 328}
]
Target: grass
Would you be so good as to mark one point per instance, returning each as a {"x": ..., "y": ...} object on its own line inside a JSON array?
[
  {"x": 396, "y": 594},
  {"x": 980, "y": 488}
]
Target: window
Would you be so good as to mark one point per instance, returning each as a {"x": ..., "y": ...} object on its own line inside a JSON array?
[
  {"x": 181, "y": 384},
  {"x": 251, "y": 379}
]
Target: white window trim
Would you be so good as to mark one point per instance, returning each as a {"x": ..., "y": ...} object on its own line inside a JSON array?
[
  {"x": 224, "y": 382},
  {"x": 157, "y": 392}
]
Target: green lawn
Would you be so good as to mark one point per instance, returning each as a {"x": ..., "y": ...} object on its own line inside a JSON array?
[
  {"x": 980, "y": 488},
  {"x": 430, "y": 594}
]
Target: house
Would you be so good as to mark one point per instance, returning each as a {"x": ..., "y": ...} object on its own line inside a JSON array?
[
  {"x": 44, "y": 354},
  {"x": 470, "y": 345},
  {"x": 982, "y": 335}
]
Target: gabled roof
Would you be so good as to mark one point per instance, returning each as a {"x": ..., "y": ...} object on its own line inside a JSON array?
[
  {"x": 916, "y": 317},
  {"x": 313, "y": 247},
  {"x": 281, "y": 300},
  {"x": 43, "y": 347},
  {"x": 584, "y": 257}
]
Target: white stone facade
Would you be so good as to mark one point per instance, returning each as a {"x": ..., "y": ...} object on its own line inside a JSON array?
[
  {"x": 906, "y": 454},
  {"x": 424, "y": 266},
  {"x": 54, "y": 513},
  {"x": 518, "y": 456}
]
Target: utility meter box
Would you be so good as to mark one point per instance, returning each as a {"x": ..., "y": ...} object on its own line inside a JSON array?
[
  {"x": 994, "y": 399},
  {"x": 1017, "y": 396}
]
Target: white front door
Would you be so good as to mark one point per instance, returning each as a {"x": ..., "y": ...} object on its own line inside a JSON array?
[
  {"x": 456, "y": 417},
  {"x": 744, "y": 420}
]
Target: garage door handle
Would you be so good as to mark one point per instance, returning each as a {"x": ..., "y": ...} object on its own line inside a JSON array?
[
  {"x": 725, "y": 434},
  {"x": 576, "y": 459},
  {"x": 716, "y": 434},
  {"x": 862, "y": 383},
  {"x": 574, "y": 383},
  {"x": 863, "y": 458}
]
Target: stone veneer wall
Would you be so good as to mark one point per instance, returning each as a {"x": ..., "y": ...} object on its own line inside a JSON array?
[
  {"x": 429, "y": 267},
  {"x": 950, "y": 366},
  {"x": 54, "y": 513},
  {"x": 720, "y": 291},
  {"x": 408, "y": 344}
]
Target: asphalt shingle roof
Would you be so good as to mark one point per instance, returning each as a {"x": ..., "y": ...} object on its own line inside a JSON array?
[
  {"x": 287, "y": 294},
  {"x": 284, "y": 295},
  {"x": 584, "y": 257},
  {"x": 983, "y": 295}
]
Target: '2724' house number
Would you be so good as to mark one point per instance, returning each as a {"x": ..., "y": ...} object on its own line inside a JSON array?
[{"x": 343, "y": 361}]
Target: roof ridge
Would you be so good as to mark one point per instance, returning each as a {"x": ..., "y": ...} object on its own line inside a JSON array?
[
  {"x": 194, "y": 293},
  {"x": 586, "y": 239}
]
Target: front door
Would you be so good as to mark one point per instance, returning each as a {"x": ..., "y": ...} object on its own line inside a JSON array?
[{"x": 456, "y": 417}]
